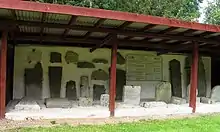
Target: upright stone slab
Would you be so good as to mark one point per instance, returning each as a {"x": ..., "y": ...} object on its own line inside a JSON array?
[
  {"x": 215, "y": 94},
  {"x": 163, "y": 92},
  {"x": 104, "y": 100},
  {"x": 132, "y": 95}
]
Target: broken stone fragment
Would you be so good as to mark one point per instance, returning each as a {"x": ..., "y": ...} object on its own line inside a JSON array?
[
  {"x": 177, "y": 100},
  {"x": 215, "y": 94},
  {"x": 85, "y": 64},
  {"x": 207, "y": 100},
  {"x": 153, "y": 104},
  {"x": 85, "y": 102},
  {"x": 71, "y": 57},
  {"x": 98, "y": 60},
  {"x": 104, "y": 100}
]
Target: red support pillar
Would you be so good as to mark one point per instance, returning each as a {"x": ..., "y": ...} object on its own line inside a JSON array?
[
  {"x": 194, "y": 77},
  {"x": 3, "y": 61},
  {"x": 112, "y": 84}
]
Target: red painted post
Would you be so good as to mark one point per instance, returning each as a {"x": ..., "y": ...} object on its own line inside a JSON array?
[
  {"x": 194, "y": 77},
  {"x": 3, "y": 62},
  {"x": 112, "y": 84}
]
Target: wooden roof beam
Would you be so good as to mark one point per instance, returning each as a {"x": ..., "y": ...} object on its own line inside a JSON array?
[
  {"x": 97, "y": 24},
  {"x": 71, "y": 22},
  {"x": 107, "y": 40},
  {"x": 113, "y": 31}
]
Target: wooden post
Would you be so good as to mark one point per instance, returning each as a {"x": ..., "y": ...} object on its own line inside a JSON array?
[
  {"x": 194, "y": 77},
  {"x": 112, "y": 84},
  {"x": 3, "y": 63}
]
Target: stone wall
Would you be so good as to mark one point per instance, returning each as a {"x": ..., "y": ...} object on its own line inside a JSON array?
[{"x": 72, "y": 73}]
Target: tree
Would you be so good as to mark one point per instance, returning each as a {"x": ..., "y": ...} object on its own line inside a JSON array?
[
  {"x": 180, "y": 9},
  {"x": 212, "y": 13}
]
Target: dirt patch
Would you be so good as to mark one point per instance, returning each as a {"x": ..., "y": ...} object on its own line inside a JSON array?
[{"x": 10, "y": 124}]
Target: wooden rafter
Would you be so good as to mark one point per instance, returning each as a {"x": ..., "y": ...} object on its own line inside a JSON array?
[
  {"x": 71, "y": 22},
  {"x": 147, "y": 27},
  {"x": 97, "y": 24}
]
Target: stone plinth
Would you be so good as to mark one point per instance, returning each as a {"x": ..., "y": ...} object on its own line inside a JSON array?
[
  {"x": 58, "y": 103},
  {"x": 132, "y": 95},
  {"x": 163, "y": 92},
  {"x": 27, "y": 104}
]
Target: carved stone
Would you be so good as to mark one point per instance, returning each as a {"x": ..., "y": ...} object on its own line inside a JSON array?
[
  {"x": 55, "y": 57},
  {"x": 104, "y": 100},
  {"x": 99, "y": 60},
  {"x": 71, "y": 57},
  {"x": 178, "y": 101},
  {"x": 71, "y": 90},
  {"x": 84, "y": 86},
  {"x": 85, "y": 101},
  {"x": 163, "y": 92},
  {"x": 85, "y": 65},
  {"x": 99, "y": 75},
  {"x": 132, "y": 95},
  {"x": 215, "y": 94}
]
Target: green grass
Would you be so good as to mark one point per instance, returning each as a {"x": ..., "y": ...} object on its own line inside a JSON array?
[{"x": 199, "y": 124}]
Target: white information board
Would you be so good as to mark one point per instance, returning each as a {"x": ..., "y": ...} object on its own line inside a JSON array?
[{"x": 143, "y": 67}]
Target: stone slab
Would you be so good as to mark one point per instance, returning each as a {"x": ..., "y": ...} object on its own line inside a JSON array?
[
  {"x": 163, "y": 92},
  {"x": 27, "y": 104},
  {"x": 104, "y": 100},
  {"x": 85, "y": 101},
  {"x": 153, "y": 104},
  {"x": 178, "y": 101},
  {"x": 207, "y": 100},
  {"x": 57, "y": 103},
  {"x": 132, "y": 95},
  {"x": 215, "y": 93}
]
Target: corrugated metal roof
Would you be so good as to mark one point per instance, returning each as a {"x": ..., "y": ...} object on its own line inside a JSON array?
[{"x": 99, "y": 24}]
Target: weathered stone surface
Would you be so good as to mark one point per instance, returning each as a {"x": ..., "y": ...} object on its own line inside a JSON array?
[
  {"x": 33, "y": 81},
  {"x": 99, "y": 60},
  {"x": 153, "y": 104},
  {"x": 85, "y": 101},
  {"x": 85, "y": 65},
  {"x": 207, "y": 100},
  {"x": 57, "y": 103},
  {"x": 98, "y": 90},
  {"x": 84, "y": 86},
  {"x": 177, "y": 100},
  {"x": 104, "y": 100},
  {"x": 55, "y": 57},
  {"x": 163, "y": 92},
  {"x": 99, "y": 75},
  {"x": 215, "y": 94},
  {"x": 132, "y": 95},
  {"x": 188, "y": 91},
  {"x": 34, "y": 56},
  {"x": 27, "y": 104},
  {"x": 71, "y": 57},
  {"x": 71, "y": 90}
]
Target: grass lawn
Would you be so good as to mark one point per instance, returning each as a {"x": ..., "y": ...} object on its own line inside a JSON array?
[{"x": 199, "y": 124}]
